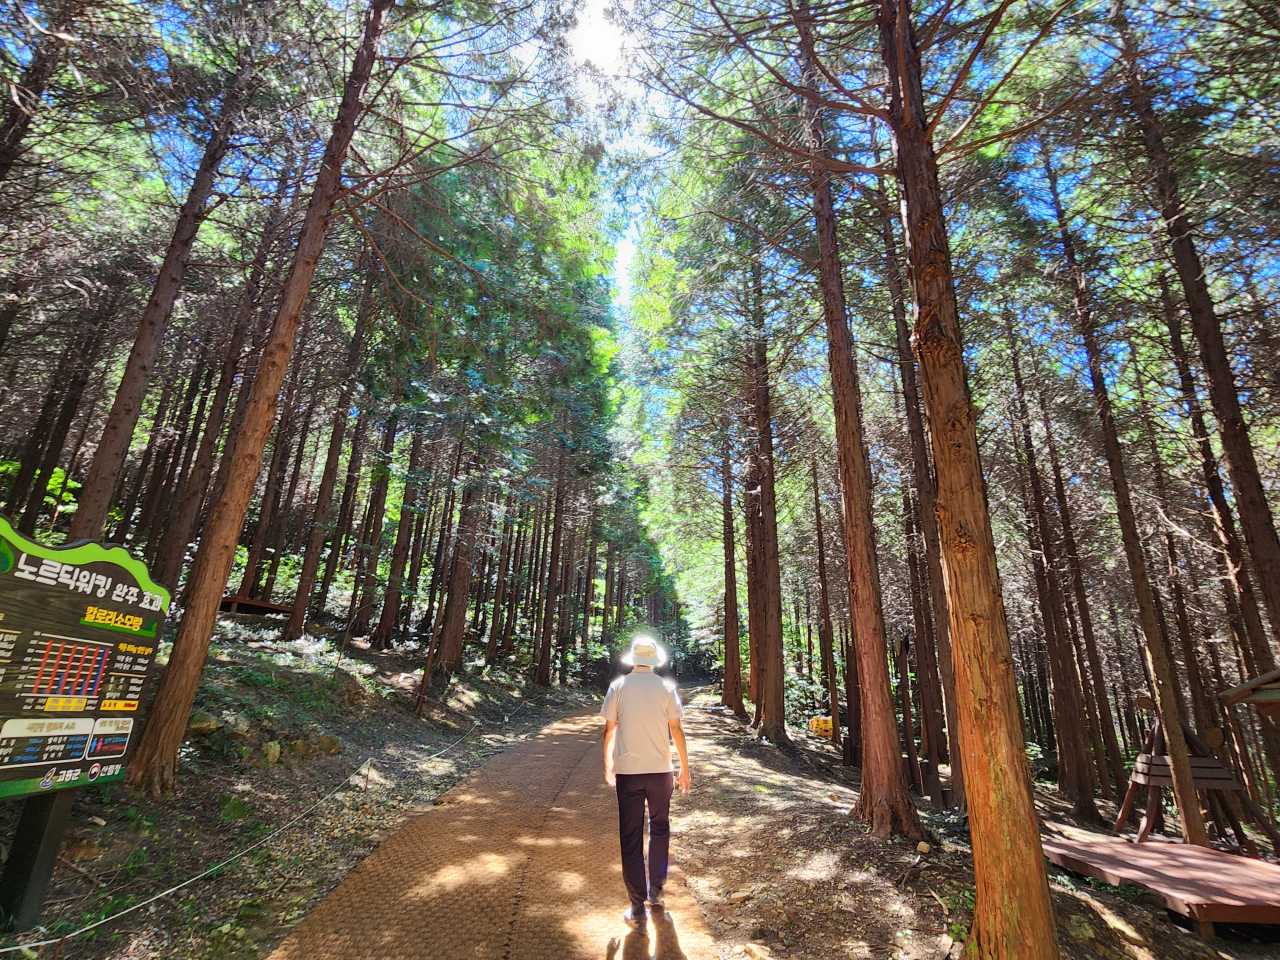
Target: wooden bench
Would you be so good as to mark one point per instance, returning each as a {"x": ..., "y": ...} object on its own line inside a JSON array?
[{"x": 1207, "y": 773}]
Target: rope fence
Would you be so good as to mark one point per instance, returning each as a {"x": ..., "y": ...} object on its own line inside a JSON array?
[{"x": 364, "y": 768}]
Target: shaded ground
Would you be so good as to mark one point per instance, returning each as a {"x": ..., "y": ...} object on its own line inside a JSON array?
[
  {"x": 774, "y": 860},
  {"x": 123, "y": 848}
]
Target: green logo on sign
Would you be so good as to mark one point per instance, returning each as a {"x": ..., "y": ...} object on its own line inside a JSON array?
[{"x": 7, "y": 559}]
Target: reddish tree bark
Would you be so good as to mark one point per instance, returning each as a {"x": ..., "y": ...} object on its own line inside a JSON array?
[
  {"x": 453, "y": 621},
  {"x": 772, "y": 689},
  {"x": 923, "y": 482},
  {"x": 1013, "y": 917},
  {"x": 883, "y": 801},
  {"x": 826, "y": 638},
  {"x": 930, "y": 711}
]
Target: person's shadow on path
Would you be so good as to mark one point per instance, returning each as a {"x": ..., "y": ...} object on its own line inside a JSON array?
[{"x": 635, "y": 945}]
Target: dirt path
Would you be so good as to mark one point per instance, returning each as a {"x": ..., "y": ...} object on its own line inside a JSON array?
[{"x": 518, "y": 862}]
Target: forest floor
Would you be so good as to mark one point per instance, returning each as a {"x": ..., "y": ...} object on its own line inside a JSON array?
[
  {"x": 764, "y": 840},
  {"x": 774, "y": 861},
  {"x": 282, "y": 738}
]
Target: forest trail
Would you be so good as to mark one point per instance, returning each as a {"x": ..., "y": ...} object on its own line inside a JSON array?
[{"x": 518, "y": 862}]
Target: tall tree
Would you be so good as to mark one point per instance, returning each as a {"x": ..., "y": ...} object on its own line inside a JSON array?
[
  {"x": 884, "y": 800},
  {"x": 1002, "y": 816}
]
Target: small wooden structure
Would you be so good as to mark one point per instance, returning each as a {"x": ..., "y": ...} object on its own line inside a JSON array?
[
  {"x": 1152, "y": 769},
  {"x": 1207, "y": 885},
  {"x": 1263, "y": 692},
  {"x": 238, "y": 604}
]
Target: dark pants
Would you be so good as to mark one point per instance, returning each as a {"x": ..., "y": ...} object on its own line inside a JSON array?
[{"x": 634, "y": 790}]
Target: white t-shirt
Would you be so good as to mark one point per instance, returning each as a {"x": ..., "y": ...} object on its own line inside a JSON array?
[{"x": 641, "y": 703}]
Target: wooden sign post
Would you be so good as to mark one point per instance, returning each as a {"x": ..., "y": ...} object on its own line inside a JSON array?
[{"x": 79, "y": 626}]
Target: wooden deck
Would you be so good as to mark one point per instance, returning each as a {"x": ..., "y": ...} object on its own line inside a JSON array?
[{"x": 1206, "y": 885}]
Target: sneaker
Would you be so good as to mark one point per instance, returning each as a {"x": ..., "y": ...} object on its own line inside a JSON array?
[
  {"x": 656, "y": 898},
  {"x": 634, "y": 918}
]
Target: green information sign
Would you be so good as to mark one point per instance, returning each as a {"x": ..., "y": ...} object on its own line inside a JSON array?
[{"x": 79, "y": 627}]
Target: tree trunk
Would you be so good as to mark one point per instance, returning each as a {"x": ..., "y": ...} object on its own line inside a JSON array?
[
  {"x": 190, "y": 445},
  {"x": 1254, "y": 636},
  {"x": 346, "y": 511},
  {"x": 1237, "y": 447},
  {"x": 384, "y": 631},
  {"x": 773, "y": 720},
  {"x": 154, "y": 445},
  {"x": 518, "y": 584},
  {"x": 826, "y": 639},
  {"x": 369, "y": 547},
  {"x": 883, "y": 801},
  {"x": 117, "y": 434},
  {"x": 453, "y": 621},
  {"x": 1156, "y": 655},
  {"x": 1068, "y": 695},
  {"x": 852, "y": 699},
  {"x": 620, "y": 596},
  {"x": 14, "y": 300},
  {"x": 542, "y": 674},
  {"x": 328, "y": 480},
  {"x": 925, "y": 496},
  {"x": 73, "y": 390},
  {"x": 531, "y": 611},
  {"x": 500, "y": 590},
  {"x": 40, "y": 434},
  {"x": 731, "y": 694},
  {"x": 608, "y": 590},
  {"x": 563, "y": 620},
  {"x": 589, "y": 584},
  {"x": 1013, "y": 916},
  {"x": 430, "y": 621},
  {"x": 1076, "y": 569},
  {"x": 751, "y": 532},
  {"x": 276, "y": 532},
  {"x": 1102, "y": 778},
  {"x": 152, "y": 767},
  {"x": 417, "y": 554},
  {"x": 930, "y": 711},
  {"x": 270, "y": 494},
  {"x": 908, "y": 724},
  {"x": 319, "y": 521}
]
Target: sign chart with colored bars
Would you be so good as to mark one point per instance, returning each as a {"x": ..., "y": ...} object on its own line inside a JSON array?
[
  {"x": 79, "y": 628},
  {"x": 69, "y": 672}
]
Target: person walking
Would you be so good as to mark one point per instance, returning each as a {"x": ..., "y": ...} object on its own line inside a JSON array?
[{"x": 642, "y": 715}]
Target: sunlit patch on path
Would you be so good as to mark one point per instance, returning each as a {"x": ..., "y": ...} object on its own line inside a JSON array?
[{"x": 519, "y": 862}]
